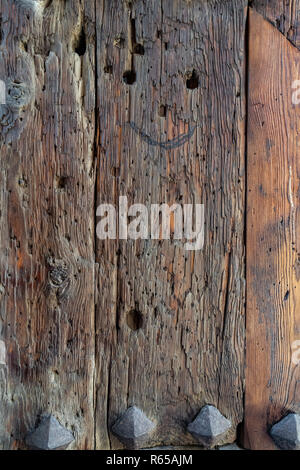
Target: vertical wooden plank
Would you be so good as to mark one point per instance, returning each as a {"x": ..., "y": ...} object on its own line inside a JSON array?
[
  {"x": 47, "y": 222},
  {"x": 273, "y": 245},
  {"x": 189, "y": 347}
]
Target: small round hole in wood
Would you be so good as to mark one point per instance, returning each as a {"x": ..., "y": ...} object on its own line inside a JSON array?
[
  {"x": 108, "y": 69},
  {"x": 162, "y": 111},
  {"x": 192, "y": 81},
  {"x": 129, "y": 77},
  {"x": 134, "y": 320},
  {"x": 138, "y": 49},
  {"x": 80, "y": 46}
]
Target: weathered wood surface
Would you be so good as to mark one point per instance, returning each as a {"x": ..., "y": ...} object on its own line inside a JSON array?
[
  {"x": 92, "y": 327},
  {"x": 189, "y": 350},
  {"x": 47, "y": 217},
  {"x": 273, "y": 244},
  {"x": 283, "y": 14}
]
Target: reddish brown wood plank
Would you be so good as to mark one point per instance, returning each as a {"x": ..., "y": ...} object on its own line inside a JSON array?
[
  {"x": 273, "y": 245},
  {"x": 190, "y": 348}
]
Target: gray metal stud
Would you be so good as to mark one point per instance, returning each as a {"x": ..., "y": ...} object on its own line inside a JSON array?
[
  {"x": 286, "y": 433},
  {"x": 133, "y": 427},
  {"x": 49, "y": 435},
  {"x": 210, "y": 426}
]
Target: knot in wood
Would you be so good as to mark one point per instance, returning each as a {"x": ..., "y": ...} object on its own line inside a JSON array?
[
  {"x": 18, "y": 95},
  {"x": 58, "y": 276},
  {"x": 6, "y": 117},
  {"x": 58, "y": 273}
]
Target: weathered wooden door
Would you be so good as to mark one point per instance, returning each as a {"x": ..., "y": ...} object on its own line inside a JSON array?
[{"x": 169, "y": 102}]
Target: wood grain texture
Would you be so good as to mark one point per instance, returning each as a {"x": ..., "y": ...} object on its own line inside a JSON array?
[
  {"x": 47, "y": 222},
  {"x": 190, "y": 348},
  {"x": 273, "y": 245},
  {"x": 283, "y": 14}
]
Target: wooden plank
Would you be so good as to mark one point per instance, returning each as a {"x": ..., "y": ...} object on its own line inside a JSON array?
[
  {"x": 189, "y": 349},
  {"x": 283, "y": 14},
  {"x": 47, "y": 221},
  {"x": 273, "y": 245}
]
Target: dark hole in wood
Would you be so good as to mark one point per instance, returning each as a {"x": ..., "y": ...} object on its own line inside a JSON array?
[
  {"x": 25, "y": 45},
  {"x": 61, "y": 182},
  {"x": 138, "y": 49},
  {"x": 115, "y": 171},
  {"x": 80, "y": 47},
  {"x": 23, "y": 183},
  {"x": 119, "y": 42},
  {"x": 108, "y": 69},
  {"x": 129, "y": 77},
  {"x": 134, "y": 320},
  {"x": 162, "y": 110},
  {"x": 192, "y": 81}
]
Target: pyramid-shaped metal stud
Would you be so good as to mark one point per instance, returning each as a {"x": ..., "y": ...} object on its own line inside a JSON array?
[
  {"x": 49, "y": 435},
  {"x": 210, "y": 426},
  {"x": 133, "y": 428},
  {"x": 233, "y": 446},
  {"x": 286, "y": 433}
]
